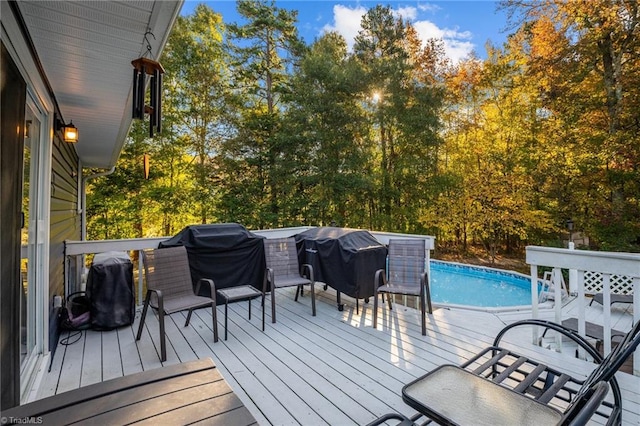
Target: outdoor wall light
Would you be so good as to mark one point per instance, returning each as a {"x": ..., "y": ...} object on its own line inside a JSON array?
[{"x": 69, "y": 131}]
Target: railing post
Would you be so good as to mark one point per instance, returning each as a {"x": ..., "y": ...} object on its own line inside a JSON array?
[
  {"x": 573, "y": 274},
  {"x": 636, "y": 318},
  {"x": 579, "y": 283},
  {"x": 606, "y": 310},
  {"x": 556, "y": 279},
  {"x": 534, "y": 301},
  {"x": 140, "y": 268}
]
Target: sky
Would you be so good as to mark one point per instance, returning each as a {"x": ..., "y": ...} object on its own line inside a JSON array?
[{"x": 464, "y": 25}]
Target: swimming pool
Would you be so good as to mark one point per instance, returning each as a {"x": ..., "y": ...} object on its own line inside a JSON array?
[{"x": 472, "y": 286}]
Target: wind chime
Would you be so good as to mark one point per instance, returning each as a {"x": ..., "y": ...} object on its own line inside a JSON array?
[{"x": 141, "y": 68}]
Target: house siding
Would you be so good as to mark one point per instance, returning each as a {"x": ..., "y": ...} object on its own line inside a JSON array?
[
  {"x": 64, "y": 224},
  {"x": 64, "y": 215}
]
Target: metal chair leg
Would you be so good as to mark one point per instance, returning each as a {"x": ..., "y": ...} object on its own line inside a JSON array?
[
  {"x": 424, "y": 319},
  {"x": 144, "y": 315},
  {"x": 273, "y": 303},
  {"x": 163, "y": 340},
  {"x": 214, "y": 314},
  {"x": 226, "y": 327},
  {"x": 375, "y": 308},
  {"x": 313, "y": 300}
]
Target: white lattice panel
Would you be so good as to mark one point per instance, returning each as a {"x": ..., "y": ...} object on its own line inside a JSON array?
[{"x": 619, "y": 284}]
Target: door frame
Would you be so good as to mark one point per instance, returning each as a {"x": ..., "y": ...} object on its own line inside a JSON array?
[{"x": 38, "y": 246}]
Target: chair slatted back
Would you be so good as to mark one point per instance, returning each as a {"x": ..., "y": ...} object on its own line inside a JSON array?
[
  {"x": 406, "y": 262},
  {"x": 167, "y": 270},
  {"x": 281, "y": 256}
]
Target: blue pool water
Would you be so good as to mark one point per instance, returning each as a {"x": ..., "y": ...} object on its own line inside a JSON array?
[{"x": 456, "y": 284}]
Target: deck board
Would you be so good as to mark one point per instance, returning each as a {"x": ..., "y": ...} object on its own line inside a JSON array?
[
  {"x": 334, "y": 368},
  {"x": 72, "y": 364},
  {"x": 130, "y": 362},
  {"x": 92, "y": 372},
  {"x": 111, "y": 359}
]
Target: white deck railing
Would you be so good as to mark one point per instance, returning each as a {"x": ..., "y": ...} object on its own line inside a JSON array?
[
  {"x": 578, "y": 263},
  {"x": 76, "y": 250}
]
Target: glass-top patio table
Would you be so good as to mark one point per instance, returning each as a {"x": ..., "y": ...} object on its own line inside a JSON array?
[{"x": 451, "y": 395}]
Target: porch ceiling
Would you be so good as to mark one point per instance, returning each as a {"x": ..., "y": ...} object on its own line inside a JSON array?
[{"x": 86, "y": 49}]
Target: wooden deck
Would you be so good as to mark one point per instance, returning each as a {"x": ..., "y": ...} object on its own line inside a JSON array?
[{"x": 333, "y": 368}]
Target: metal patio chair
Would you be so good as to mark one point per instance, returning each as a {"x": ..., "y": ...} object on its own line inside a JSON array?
[
  {"x": 169, "y": 289},
  {"x": 614, "y": 298},
  {"x": 406, "y": 275},
  {"x": 284, "y": 270},
  {"x": 499, "y": 386}
]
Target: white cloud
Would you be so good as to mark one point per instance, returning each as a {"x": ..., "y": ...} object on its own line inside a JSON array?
[
  {"x": 346, "y": 21},
  {"x": 457, "y": 44},
  {"x": 428, "y": 7},
  {"x": 407, "y": 13}
]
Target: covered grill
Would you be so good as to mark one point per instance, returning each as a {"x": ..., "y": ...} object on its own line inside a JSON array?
[
  {"x": 345, "y": 259},
  {"x": 227, "y": 253}
]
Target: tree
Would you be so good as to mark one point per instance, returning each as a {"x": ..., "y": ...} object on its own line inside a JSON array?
[
  {"x": 325, "y": 123},
  {"x": 270, "y": 49},
  {"x": 592, "y": 93},
  {"x": 197, "y": 60},
  {"x": 114, "y": 201},
  {"x": 403, "y": 105}
]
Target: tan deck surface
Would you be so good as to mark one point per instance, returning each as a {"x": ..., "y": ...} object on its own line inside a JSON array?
[{"x": 330, "y": 369}]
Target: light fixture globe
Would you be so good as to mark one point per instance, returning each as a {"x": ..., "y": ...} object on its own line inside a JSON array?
[{"x": 70, "y": 133}]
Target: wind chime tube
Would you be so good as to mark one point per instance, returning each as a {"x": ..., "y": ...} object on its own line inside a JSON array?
[
  {"x": 152, "y": 99},
  {"x": 145, "y": 165},
  {"x": 158, "y": 107},
  {"x": 134, "y": 101},
  {"x": 140, "y": 107}
]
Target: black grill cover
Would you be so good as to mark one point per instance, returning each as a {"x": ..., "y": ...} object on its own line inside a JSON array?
[
  {"x": 345, "y": 259},
  {"x": 227, "y": 253},
  {"x": 110, "y": 289}
]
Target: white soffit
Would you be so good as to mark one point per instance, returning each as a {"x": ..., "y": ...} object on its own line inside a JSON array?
[{"x": 86, "y": 48}]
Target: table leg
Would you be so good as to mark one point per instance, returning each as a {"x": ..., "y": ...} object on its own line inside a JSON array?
[{"x": 226, "y": 303}]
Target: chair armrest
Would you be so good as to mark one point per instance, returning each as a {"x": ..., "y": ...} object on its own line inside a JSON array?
[
  {"x": 159, "y": 295},
  {"x": 309, "y": 269},
  {"x": 209, "y": 283},
  {"x": 268, "y": 278},
  {"x": 376, "y": 279}
]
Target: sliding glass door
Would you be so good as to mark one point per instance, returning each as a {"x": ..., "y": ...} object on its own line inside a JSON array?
[{"x": 32, "y": 244}]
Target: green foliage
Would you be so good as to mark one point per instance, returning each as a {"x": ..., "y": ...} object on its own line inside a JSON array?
[{"x": 263, "y": 130}]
